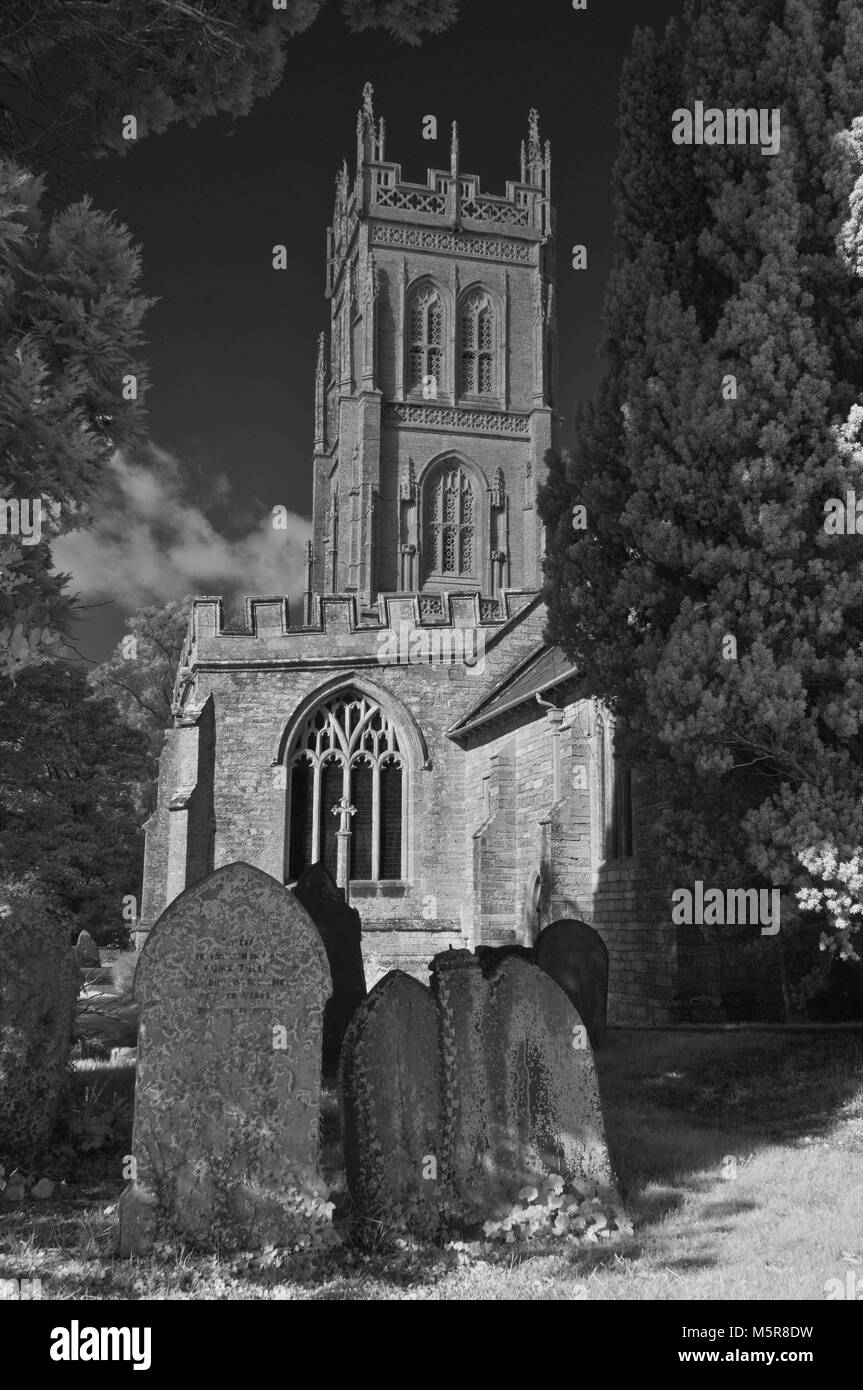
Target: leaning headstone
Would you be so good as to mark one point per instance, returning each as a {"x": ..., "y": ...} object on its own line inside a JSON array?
[
  {"x": 522, "y": 1099},
  {"x": 38, "y": 988},
  {"x": 576, "y": 957},
  {"x": 340, "y": 927},
  {"x": 390, "y": 1097},
  {"x": 87, "y": 951},
  {"x": 545, "y": 1095},
  {"x": 231, "y": 985}
]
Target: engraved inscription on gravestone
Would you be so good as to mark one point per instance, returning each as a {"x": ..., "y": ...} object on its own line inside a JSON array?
[{"x": 231, "y": 983}]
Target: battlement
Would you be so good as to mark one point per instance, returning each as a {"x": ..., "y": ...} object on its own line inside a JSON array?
[{"x": 338, "y": 633}]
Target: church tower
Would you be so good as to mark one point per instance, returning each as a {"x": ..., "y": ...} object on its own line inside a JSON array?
[{"x": 435, "y": 389}]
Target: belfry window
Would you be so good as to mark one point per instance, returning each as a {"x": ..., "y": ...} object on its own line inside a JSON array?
[
  {"x": 425, "y": 330},
  {"x": 450, "y": 525},
  {"x": 477, "y": 346},
  {"x": 347, "y": 747}
]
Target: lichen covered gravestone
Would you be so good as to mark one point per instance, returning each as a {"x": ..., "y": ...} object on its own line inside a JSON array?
[
  {"x": 545, "y": 1094},
  {"x": 456, "y": 1099},
  {"x": 231, "y": 985},
  {"x": 38, "y": 988},
  {"x": 576, "y": 956},
  {"x": 340, "y": 927},
  {"x": 390, "y": 1092},
  {"x": 524, "y": 1095}
]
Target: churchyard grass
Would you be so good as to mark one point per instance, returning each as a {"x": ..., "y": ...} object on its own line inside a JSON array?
[{"x": 778, "y": 1222}]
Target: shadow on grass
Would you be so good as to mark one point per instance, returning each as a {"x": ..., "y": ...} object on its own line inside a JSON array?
[{"x": 677, "y": 1105}]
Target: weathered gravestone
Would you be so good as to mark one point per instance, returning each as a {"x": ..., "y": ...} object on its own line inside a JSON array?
[
  {"x": 340, "y": 927},
  {"x": 524, "y": 1095},
  {"x": 575, "y": 955},
  {"x": 38, "y": 988},
  {"x": 87, "y": 951},
  {"x": 391, "y": 1100},
  {"x": 490, "y": 1076},
  {"x": 231, "y": 985}
]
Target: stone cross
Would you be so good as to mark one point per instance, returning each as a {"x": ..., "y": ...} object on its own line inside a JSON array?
[{"x": 344, "y": 809}]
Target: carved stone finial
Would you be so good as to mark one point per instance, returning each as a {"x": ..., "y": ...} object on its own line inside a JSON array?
[
  {"x": 523, "y": 163},
  {"x": 454, "y": 150},
  {"x": 342, "y": 186},
  {"x": 534, "y": 148},
  {"x": 368, "y": 107},
  {"x": 321, "y": 366}
]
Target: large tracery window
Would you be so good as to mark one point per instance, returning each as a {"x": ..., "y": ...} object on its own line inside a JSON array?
[
  {"x": 450, "y": 525},
  {"x": 477, "y": 345},
  {"x": 347, "y": 747},
  {"x": 425, "y": 328}
]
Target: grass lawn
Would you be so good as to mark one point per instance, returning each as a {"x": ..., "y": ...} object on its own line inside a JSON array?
[{"x": 779, "y": 1221}]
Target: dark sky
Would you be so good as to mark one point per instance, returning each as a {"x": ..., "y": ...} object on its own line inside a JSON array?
[{"x": 232, "y": 342}]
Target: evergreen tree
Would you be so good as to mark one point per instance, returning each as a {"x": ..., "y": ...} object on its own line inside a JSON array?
[
  {"x": 704, "y": 599},
  {"x": 71, "y": 391},
  {"x": 138, "y": 679},
  {"x": 69, "y": 770},
  {"x": 72, "y": 70}
]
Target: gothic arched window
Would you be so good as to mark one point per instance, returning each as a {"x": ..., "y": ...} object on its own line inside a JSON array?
[
  {"x": 450, "y": 549},
  {"x": 347, "y": 747},
  {"x": 425, "y": 337},
  {"x": 477, "y": 346}
]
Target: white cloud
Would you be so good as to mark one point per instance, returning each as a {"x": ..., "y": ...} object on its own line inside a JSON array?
[{"x": 151, "y": 540}]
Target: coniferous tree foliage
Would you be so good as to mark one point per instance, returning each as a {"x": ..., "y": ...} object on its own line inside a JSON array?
[
  {"x": 161, "y": 61},
  {"x": 69, "y": 775},
  {"x": 72, "y": 385},
  {"x": 731, "y": 410},
  {"x": 138, "y": 679}
]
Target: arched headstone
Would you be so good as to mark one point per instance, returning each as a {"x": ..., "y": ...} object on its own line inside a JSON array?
[
  {"x": 231, "y": 985},
  {"x": 390, "y": 1096},
  {"x": 576, "y": 957}
]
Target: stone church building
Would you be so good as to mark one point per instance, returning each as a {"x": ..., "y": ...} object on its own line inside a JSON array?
[{"x": 410, "y": 726}]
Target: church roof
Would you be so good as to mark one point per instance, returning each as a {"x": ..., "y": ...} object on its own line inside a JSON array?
[{"x": 543, "y": 671}]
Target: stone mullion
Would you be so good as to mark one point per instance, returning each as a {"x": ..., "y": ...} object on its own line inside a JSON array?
[
  {"x": 405, "y": 862},
  {"x": 316, "y": 812},
  {"x": 376, "y": 819}
]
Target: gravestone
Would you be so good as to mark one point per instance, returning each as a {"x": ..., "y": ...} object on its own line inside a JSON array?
[
  {"x": 468, "y": 1056},
  {"x": 231, "y": 985},
  {"x": 522, "y": 1098},
  {"x": 87, "y": 951},
  {"x": 544, "y": 1092},
  {"x": 575, "y": 956},
  {"x": 390, "y": 1098},
  {"x": 38, "y": 989},
  {"x": 340, "y": 927}
]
